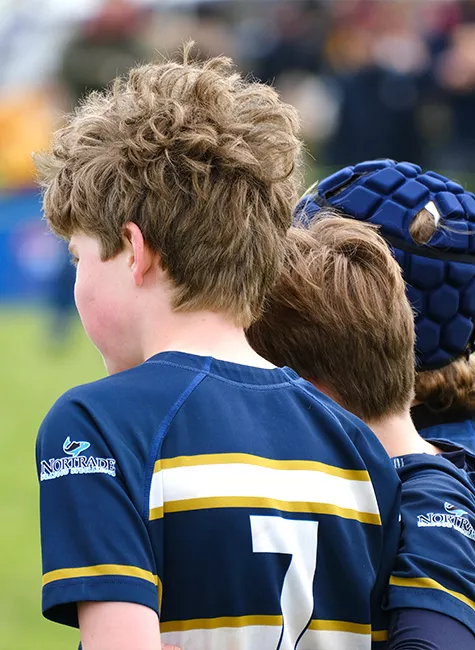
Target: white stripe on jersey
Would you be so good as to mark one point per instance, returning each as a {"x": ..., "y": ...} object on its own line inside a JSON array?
[
  {"x": 254, "y": 637},
  {"x": 181, "y": 486}
]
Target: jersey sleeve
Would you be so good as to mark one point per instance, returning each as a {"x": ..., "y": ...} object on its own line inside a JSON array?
[
  {"x": 435, "y": 565},
  {"x": 95, "y": 543}
]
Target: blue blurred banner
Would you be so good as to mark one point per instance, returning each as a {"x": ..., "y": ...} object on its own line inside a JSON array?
[{"x": 30, "y": 256}]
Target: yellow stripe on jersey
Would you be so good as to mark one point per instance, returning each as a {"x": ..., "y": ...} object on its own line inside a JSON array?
[
  {"x": 260, "y": 461},
  {"x": 379, "y": 635},
  {"x": 156, "y": 513},
  {"x": 429, "y": 583},
  {"x": 102, "y": 570},
  {"x": 340, "y": 626},
  {"x": 246, "y": 621},
  {"x": 261, "y": 483},
  {"x": 215, "y": 623},
  {"x": 261, "y": 502}
]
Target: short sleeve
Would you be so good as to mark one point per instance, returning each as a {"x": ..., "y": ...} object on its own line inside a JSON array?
[
  {"x": 95, "y": 543},
  {"x": 435, "y": 566}
]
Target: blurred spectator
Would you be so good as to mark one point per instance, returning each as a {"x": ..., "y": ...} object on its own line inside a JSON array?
[
  {"x": 211, "y": 30},
  {"x": 105, "y": 46},
  {"x": 61, "y": 299},
  {"x": 454, "y": 93},
  {"x": 291, "y": 39},
  {"x": 379, "y": 59},
  {"x": 283, "y": 44}
]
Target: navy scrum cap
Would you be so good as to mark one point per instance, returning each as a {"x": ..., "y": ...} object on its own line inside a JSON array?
[{"x": 439, "y": 275}]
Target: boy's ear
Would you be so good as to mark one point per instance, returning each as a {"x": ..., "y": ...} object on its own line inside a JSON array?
[{"x": 140, "y": 257}]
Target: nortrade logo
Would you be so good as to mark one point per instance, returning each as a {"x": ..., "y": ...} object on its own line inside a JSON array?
[
  {"x": 452, "y": 518},
  {"x": 76, "y": 464}
]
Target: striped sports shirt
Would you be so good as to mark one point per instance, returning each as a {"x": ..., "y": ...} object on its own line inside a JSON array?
[{"x": 242, "y": 505}]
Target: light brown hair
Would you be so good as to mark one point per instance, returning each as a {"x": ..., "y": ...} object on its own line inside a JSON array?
[
  {"x": 450, "y": 387},
  {"x": 453, "y": 386},
  {"x": 203, "y": 161},
  {"x": 422, "y": 227},
  {"x": 339, "y": 316}
]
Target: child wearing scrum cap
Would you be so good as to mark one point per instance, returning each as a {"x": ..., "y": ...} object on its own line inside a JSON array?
[
  {"x": 429, "y": 221},
  {"x": 339, "y": 316}
]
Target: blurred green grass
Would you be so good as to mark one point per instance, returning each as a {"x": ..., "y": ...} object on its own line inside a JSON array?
[{"x": 33, "y": 374}]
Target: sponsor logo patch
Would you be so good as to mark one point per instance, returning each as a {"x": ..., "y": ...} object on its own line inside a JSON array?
[
  {"x": 74, "y": 463},
  {"x": 455, "y": 518}
]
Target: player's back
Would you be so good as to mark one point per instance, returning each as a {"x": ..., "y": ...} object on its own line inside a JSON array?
[{"x": 265, "y": 515}]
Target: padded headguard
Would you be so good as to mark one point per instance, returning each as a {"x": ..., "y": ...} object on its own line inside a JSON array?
[{"x": 439, "y": 275}]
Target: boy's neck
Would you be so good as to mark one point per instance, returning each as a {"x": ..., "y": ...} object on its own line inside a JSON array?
[
  {"x": 399, "y": 436},
  {"x": 396, "y": 432},
  {"x": 204, "y": 334}
]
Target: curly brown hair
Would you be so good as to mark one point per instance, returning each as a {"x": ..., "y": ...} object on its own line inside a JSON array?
[
  {"x": 450, "y": 387},
  {"x": 203, "y": 161},
  {"x": 339, "y": 316}
]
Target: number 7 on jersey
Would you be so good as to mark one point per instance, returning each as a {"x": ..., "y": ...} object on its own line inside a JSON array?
[{"x": 299, "y": 539}]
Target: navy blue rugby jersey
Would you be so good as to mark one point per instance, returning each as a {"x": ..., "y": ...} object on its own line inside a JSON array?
[
  {"x": 435, "y": 566},
  {"x": 242, "y": 505}
]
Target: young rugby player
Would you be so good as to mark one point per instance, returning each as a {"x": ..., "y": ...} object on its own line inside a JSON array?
[
  {"x": 429, "y": 221},
  {"x": 198, "y": 485},
  {"x": 339, "y": 316}
]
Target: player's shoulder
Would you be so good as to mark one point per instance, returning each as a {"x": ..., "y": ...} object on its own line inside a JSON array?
[
  {"x": 74, "y": 416},
  {"x": 112, "y": 392},
  {"x": 327, "y": 407},
  {"x": 359, "y": 433},
  {"x": 434, "y": 566},
  {"x": 129, "y": 390},
  {"x": 120, "y": 406},
  {"x": 437, "y": 483},
  {"x": 331, "y": 418},
  {"x": 449, "y": 468}
]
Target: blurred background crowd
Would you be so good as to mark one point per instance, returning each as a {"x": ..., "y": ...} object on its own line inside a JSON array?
[{"x": 371, "y": 78}]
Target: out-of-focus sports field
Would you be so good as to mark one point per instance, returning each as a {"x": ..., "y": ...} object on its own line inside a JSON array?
[
  {"x": 36, "y": 376},
  {"x": 370, "y": 79}
]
